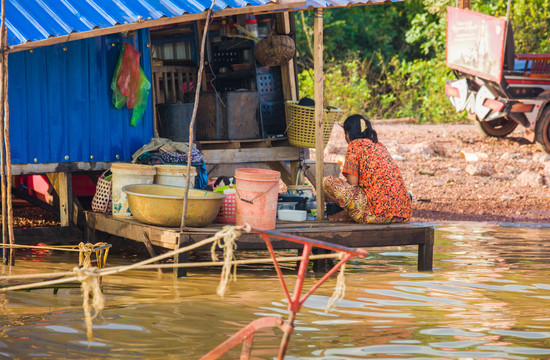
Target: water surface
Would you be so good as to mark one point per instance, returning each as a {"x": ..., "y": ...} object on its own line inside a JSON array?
[{"x": 488, "y": 297}]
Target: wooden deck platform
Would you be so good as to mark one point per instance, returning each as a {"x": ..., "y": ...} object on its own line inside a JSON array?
[{"x": 347, "y": 234}]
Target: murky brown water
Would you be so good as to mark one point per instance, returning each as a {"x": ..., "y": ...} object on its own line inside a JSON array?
[{"x": 488, "y": 297}]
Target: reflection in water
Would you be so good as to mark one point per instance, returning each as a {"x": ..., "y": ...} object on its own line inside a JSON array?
[{"x": 488, "y": 297}]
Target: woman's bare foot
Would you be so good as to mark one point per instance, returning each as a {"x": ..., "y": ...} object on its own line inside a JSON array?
[{"x": 339, "y": 216}]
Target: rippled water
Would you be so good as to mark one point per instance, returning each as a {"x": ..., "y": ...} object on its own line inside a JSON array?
[{"x": 488, "y": 297}]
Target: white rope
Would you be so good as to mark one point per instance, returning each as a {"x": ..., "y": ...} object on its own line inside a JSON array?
[
  {"x": 340, "y": 288},
  {"x": 90, "y": 286},
  {"x": 166, "y": 266},
  {"x": 230, "y": 234}
]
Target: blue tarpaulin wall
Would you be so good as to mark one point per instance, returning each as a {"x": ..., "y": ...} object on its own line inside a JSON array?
[{"x": 60, "y": 103}]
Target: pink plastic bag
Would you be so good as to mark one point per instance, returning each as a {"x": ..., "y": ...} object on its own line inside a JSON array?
[{"x": 128, "y": 79}]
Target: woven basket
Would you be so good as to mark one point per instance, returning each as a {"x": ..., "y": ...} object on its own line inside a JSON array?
[
  {"x": 300, "y": 122},
  {"x": 103, "y": 199},
  {"x": 275, "y": 50}
]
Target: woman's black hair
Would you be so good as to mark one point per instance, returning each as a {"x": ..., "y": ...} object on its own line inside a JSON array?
[{"x": 352, "y": 126}]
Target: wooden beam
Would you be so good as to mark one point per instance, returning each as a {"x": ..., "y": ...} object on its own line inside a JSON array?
[
  {"x": 44, "y": 168},
  {"x": 319, "y": 109},
  {"x": 288, "y": 75},
  {"x": 464, "y": 4},
  {"x": 143, "y": 24},
  {"x": 21, "y": 194},
  {"x": 330, "y": 169},
  {"x": 150, "y": 250},
  {"x": 132, "y": 229},
  {"x": 282, "y": 168},
  {"x": 231, "y": 156}
]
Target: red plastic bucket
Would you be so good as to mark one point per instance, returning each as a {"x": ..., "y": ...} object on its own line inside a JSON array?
[{"x": 256, "y": 201}]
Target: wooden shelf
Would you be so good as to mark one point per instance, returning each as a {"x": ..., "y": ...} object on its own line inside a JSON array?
[{"x": 243, "y": 143}]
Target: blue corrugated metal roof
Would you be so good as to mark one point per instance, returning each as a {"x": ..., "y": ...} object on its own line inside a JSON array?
[{"x": 33, "y": 20}]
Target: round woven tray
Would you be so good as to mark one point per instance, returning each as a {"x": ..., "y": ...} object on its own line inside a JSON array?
[{"x": 275, "y": 50}]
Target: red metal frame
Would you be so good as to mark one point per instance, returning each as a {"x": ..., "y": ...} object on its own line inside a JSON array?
[
  {"x": 295, "y": 301},
  {"x": 462, "y": 53}
]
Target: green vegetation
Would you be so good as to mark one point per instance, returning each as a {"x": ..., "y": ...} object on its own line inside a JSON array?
[{"x": 388, "y": 61}]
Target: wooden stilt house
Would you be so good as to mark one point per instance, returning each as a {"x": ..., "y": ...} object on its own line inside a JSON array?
[{"x": 62, "y": 57}]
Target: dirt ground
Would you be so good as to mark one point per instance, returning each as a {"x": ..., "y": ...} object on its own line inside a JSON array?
[
  {"x": 453, "y": 172},
  {"x": 457, "y": 174}
]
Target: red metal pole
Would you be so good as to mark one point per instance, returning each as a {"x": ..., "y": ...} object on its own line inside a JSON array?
[
  {"x": 286, "y": 337},
  {"x": 277, "y": 267},
  {"x": 294, "y": 306},
  {"x": 324, "y": 278}
]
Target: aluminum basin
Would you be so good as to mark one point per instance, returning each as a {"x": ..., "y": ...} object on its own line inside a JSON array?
[{"x": 162, "y": 205}]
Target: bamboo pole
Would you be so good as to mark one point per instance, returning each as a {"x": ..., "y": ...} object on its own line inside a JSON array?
[
  {"x": 193, "y": 118},
  {"x": 9, "y": 203},
  {"x": 319, "y": 111},
  {"x": 2, "y": 168}
]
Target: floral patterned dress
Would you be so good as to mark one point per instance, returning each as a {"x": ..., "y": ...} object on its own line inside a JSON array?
[{"x": 381, "y": 196}]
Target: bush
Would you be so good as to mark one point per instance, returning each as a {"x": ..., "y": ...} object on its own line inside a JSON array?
[
  {"x": 401, "y": 89},
  {"x": 346, "y": 86}
]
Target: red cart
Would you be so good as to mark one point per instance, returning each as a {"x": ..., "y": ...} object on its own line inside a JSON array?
[{"x": 497, "y": 87}]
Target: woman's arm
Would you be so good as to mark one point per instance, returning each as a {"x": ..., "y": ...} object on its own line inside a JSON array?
[{"x": 352, "y": 179}]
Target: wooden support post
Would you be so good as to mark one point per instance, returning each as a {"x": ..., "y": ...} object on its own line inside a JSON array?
[
  {"x": 181, "y": 258},
  {"x": 288, "y": 74},
  {"x": 200, "y": 30},
  {"x": 65, "y": 191},
  {"x": 426, "y": 251},
  {"x": 464, "y": 4},
  {"x": 150, "y": 249},
  {"x": 319, "y": 110},
  {"x": 89, "y": 233},
  {"x": 2, "y": 147}
]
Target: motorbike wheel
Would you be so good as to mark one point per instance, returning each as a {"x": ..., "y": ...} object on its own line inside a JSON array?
[
  {"x": 497, "y": 128},
  {"x": 542, "y": 130}
]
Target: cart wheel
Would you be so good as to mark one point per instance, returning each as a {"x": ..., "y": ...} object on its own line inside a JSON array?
[
  {"x": 498, "y": 127},
  {"x": 542, "y": 130}
]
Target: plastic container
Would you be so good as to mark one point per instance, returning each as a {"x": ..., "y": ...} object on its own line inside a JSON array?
[
  {"x": 174, "y": 121},
  {"x": 292, "y": 215},
  {"x": 174, "y": 175},
  {"x": 256, "y": 201},
  {"x": 264, "y": 28},
  {"x": 128, "y": 174},
  {"x": 223, "y": 29},
  {"x": 226, "y": 214},
  {"x": 252, "y": 26}
]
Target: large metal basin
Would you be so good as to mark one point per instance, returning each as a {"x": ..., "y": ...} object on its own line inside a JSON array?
[{"x": 162, "y": 205}]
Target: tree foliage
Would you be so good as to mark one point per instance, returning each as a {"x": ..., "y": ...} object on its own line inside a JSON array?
[{"x": 389, "y": 60}]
